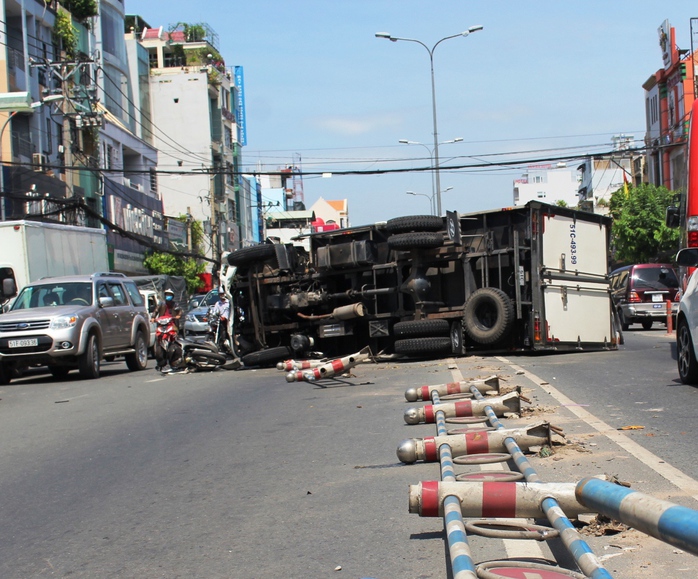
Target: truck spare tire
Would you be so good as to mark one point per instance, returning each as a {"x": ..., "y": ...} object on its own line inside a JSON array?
[
  {"x": 488, "y": 316},
  {"x": 414, "y": 223}
]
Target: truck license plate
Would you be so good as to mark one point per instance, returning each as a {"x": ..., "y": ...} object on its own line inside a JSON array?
[{"x": 23, "y": 343}]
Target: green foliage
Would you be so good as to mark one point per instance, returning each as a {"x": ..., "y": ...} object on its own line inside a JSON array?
[
  {"x": 81, "y": 9},
  {"x": 63, "y": 28},
  {"x": 159, "y": 263},
  {"x": 639, "y": 234},
  {"x": 168, "y": 264}
]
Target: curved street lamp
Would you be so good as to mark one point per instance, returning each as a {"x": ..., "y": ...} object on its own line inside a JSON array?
[
  {"x": 388, "y": 36},
  {"x": 430, "y": 197},
  {"x": 431, "y": 156}
]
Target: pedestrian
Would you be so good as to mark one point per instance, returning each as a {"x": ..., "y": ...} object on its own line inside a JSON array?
[{"x": 222, "y": 310}]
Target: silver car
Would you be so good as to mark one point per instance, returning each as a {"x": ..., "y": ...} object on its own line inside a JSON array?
[
  {"x": 196, "y": 320},
  {"x": 74, "y": 322}
]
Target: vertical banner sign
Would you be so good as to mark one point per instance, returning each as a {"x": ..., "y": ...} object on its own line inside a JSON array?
[{"x": 242, "y": 125}]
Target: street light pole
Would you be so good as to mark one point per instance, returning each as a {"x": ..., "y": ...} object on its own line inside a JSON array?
[
  {"x": 431, "y": 159},
  {"x": 387, "y": 36},
  {"x": 430, "y": 197}
]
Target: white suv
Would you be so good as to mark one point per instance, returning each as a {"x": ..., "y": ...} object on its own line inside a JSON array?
[{"x": 74, "y": 322}]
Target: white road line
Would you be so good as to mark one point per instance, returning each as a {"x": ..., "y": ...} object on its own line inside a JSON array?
[
  {"x": 513, "y": 547},
  {"x": 661, "y": 467}
]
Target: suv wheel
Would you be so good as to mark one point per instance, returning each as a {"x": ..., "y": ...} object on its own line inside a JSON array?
[
  {"x": 139, "y": 359},
  {"x": 88, "y": 362}
]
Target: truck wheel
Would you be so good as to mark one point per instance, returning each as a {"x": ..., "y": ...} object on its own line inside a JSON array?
[
  {"x": 5, "y": 375},
  {"x": 437, "y": 327},
  {"x": 88, "y": 362},
  {"x": 422, "y": 346},
  {"x": 139, "y": 359},
  {"x": 416, "y": 240},
  {"x": 686, "y": 355},
  {"x": 266, "y": 357},
  {"x": 253, "y": 253},
  {"x": 488, "y": 316},
  {"x": 414, "y": 223}
]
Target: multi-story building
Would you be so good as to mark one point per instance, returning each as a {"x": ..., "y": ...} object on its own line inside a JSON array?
[
  {"x": 78, "y": 160},
  {"x": 549, "y": 183},
  {"x": 195, "y": 103},
  {"x": 669, "y": 96}
]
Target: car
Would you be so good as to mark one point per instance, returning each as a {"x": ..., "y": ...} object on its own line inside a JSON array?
[
  {"x": 74, "y": 322},
  {"x": 196, "y": 320},
  {"x": 687, "y": 319},
  {"x": 195, "y": 301},
  {"x": 640, "y": 293}
]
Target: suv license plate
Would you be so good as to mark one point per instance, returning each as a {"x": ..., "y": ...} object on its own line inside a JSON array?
[
  {"x": 657, "y": 298},
  {"x": 23, "y": 343}
]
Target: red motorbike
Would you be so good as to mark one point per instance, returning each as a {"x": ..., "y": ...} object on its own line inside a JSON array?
[{"x": 183, "y": 354}]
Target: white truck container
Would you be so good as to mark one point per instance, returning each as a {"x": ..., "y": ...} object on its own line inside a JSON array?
[{"x": 32, "y": 249}]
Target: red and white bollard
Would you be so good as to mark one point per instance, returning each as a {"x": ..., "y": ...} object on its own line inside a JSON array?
[
  {"x": 290, "y": 365},
  {"x": 494, "y": 499},
  {"x": 329, "y": 369},
  {"x": 500, "y": 405},
  {"x": 475, "y": 442},
  {"x": 490, "y": 384}
]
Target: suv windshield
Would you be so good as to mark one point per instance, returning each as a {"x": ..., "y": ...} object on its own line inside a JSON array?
[
  {"x": 54, "y": 294},
  {"x": 210, "y": 299},
  {"x": 655, "y": 278}
]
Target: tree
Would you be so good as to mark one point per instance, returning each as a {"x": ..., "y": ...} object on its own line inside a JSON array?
[
  {"x": 160, "y": 263},
  {"x": 639, "y": 234}
]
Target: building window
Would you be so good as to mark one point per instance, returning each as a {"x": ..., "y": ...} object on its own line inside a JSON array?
[
  {"x": 541, "y": 195},
  {"x": 49, "y": 136},
  {"x": 153, "y": 181}
]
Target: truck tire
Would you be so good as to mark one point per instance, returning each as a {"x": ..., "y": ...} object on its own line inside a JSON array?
[
  {"x": 138, "y": 360},
  {"x": 437, "y": 327},
  {"x": 488, "y": 316},
  {"x": 253, "y": 253},
  {"x": 422, "y": 346},
  {"x": 416, "y": 240},
  {"x": 414, "y": 223},
  {"x": 88, "y": 361},
  {"x": 266, "y": 357}
]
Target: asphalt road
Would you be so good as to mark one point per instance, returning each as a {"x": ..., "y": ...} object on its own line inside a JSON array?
[
  {"x": 637, "y": 385},
  {"x": 241, "y": 475}
]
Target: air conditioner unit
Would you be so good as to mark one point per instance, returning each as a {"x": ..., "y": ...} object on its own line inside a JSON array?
[{"x": 39, "y": 161}]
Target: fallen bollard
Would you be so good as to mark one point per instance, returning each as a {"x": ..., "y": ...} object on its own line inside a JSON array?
[
  {"x": 476, "y": 442},
  {"x": 512, "y": 500},
  {"x": 329, "y": 369},
  {"x": 500, "y": 405},
  {"x": 290, "y": 365},
  {"x": 658, "y": 518},
  {"x": 490, "y": 384}
]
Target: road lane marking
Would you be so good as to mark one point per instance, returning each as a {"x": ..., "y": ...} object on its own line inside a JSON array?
[{"x": 661, "y": 467}]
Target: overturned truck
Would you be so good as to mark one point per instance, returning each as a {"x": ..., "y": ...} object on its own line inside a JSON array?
[{"x": 531, "y": 278}]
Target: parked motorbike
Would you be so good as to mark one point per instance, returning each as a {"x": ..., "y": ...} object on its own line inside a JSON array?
[{"x": 183, "y": 354}]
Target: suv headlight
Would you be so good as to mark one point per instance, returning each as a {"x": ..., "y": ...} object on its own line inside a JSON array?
[{"x": 63, "y": 322}]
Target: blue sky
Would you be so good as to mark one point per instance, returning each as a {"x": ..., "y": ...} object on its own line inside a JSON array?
[{"x": 542, "y": 79}]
